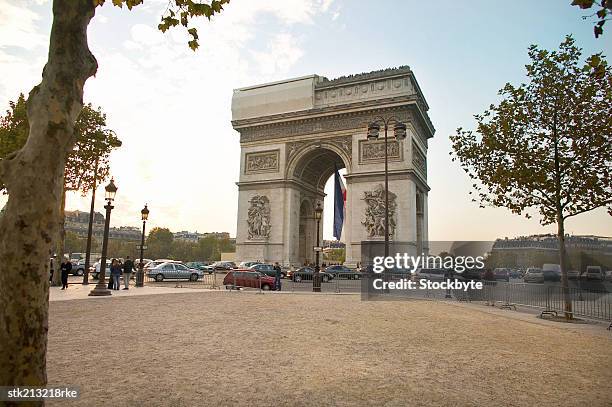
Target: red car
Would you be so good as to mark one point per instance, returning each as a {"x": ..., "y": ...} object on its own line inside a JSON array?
[{"x": 248, "y": 278}]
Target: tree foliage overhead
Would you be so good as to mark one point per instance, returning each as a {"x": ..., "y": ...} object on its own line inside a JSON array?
[
  {"x": 94, "y": 143},
  {"x": 179, "y": 12},
  {"x": 602, "y": 14},
  {"x": 548, "y": 144}
]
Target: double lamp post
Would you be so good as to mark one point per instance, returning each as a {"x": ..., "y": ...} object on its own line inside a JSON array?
[{"x": 399, "y": 130}]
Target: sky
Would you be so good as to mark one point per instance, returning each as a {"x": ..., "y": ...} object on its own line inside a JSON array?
[{"x": 171, "y": 106}]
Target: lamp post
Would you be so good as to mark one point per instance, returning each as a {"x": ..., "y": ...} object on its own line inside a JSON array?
[
  {"x": 316, "y": 278},
  {"x": 90, "y": 226},
  {"x": 140, "y": 274},
  {"x": 399, "y": 130},
  {"x": 100, "y": 288}
]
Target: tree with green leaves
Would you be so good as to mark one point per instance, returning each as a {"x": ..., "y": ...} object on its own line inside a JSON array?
[
  {"x": 13, "y": 128},
  {"x": 159, "y": 243},
  {"x": 32, "y": 177},
  {"x": 547, "y": 146}
]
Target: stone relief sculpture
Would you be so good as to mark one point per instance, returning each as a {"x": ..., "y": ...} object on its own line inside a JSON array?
[
  {"x": 375, "y": 150},
  {"x": 375, "y": 212},
  {"x": 264, "y": 161},
  {"x": 419, "y": 160},
  {"x": 259, "y": 218}
]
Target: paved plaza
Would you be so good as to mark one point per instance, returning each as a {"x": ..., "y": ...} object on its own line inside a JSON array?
[{"x": 188, "y": 347}]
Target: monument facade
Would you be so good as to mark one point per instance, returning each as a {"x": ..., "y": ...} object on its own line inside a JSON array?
[{"x": 295, "y": 133}]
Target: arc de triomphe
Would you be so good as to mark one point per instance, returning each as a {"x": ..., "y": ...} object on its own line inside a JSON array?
[{"x": 293, "y": 133}]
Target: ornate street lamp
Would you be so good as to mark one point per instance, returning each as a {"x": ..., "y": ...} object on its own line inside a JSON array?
[
  {"x": 110, "y": 192},
  {"x": 92, "y": 208},
  {"x": 316, "y": 278},
  {"x": 140, "y": 274},
  {"x": 399, "y": 130}
]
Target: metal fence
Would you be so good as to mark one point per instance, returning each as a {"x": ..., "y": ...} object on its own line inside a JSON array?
[
  {"x": 546, "y": 298},
  {"x": 550, "y": 299}
]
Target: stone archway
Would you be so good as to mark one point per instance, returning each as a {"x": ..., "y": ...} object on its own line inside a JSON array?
[{"x": 294, "y": 133}]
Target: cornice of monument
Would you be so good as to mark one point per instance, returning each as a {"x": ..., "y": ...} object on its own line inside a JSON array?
[
  {"x": 321, "y": 97},
  {"x": 364, "y": 76},
  {"x": 334, "y": 118}
]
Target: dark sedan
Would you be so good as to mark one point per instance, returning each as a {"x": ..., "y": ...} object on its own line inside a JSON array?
[
  {"x": 306, "y": 273},
  {"x": 343, "y": 272},
  {"x": 267, "y": 269}
]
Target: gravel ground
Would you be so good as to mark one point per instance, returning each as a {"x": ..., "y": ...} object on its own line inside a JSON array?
[{"x": 228, "y": 348}]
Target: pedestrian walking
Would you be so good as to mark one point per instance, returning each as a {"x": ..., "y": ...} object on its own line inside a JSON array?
[
  {"x": 128, "y": 267},
  {"x": 66, "y": 268},
  {"x": 115, "y": 270},
  {"x": 277, "y": 276}
]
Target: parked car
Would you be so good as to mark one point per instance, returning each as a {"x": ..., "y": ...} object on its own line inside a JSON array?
[
  {"x": 247, "y": 264},
  {"x": 223, "y": 265},
  {"x": 468, "y": 274},
  {"x": 515, "y": 273},
  {"x": 533, "y": 275},
  {"x": 594, "y": 273},
  {"x": 501, "y": 274},
  {"x": 432, "y": 274},
  {"x": 174, "y": 271},
  {"x": 200, "y": 266},
  {"x": 78, "y": 268},
  {"x": 340, "y": 272},
  {"x": 307, "y": 273},
  {"x": 573, "y": 274},
  {"x": 551, "y": 275},
  {"x": 609, "y": 275},
  {"x": 267, "y": 269},
  {"x": 155, "y": 263},
  {"x": 95, "y": 270},
  {"x": 248, "y": 278}
]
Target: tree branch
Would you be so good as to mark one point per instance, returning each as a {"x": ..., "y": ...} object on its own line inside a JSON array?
[{"x": 601, "y": 204}]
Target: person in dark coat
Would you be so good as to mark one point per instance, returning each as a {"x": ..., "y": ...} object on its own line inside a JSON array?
[
  {"x": 277, "y": 276},
  {"x": 109, "y": 276},
  {"x": 116, "y": 271},
  {"x": 66, "y": 268},
  {"x": 128, "y": 267}
]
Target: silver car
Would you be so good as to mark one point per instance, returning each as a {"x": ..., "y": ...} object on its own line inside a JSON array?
[
  {"x": 533, "y": 275},
  {"x": 174, "y": 271}
]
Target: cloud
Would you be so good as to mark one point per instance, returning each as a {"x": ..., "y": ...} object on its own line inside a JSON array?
[
  {"x": 19, "y": 27},
  {"x": 281, "y": 54},
  {"x": 171, "y": 106}
]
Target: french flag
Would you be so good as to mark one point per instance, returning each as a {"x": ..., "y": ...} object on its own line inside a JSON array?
[{"x": 339, "y": 204}]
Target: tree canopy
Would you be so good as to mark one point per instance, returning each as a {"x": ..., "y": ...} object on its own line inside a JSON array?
[
  {"x": 548, "y": 144},
  {"x": 94, "y": 143}
]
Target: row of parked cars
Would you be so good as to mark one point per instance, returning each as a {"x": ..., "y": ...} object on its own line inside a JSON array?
[{"x": 539, "y": 275}]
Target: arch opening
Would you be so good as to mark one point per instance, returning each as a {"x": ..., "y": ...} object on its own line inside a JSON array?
[{"x": 314, "y": 169}]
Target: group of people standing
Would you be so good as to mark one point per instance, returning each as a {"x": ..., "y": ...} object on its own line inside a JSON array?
[{"x": 116, "y": 269}]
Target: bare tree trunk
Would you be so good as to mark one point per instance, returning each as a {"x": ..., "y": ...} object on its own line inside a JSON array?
[
  {"x": 563, "y": 264},
  {"x": 33, "y": 179}
]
